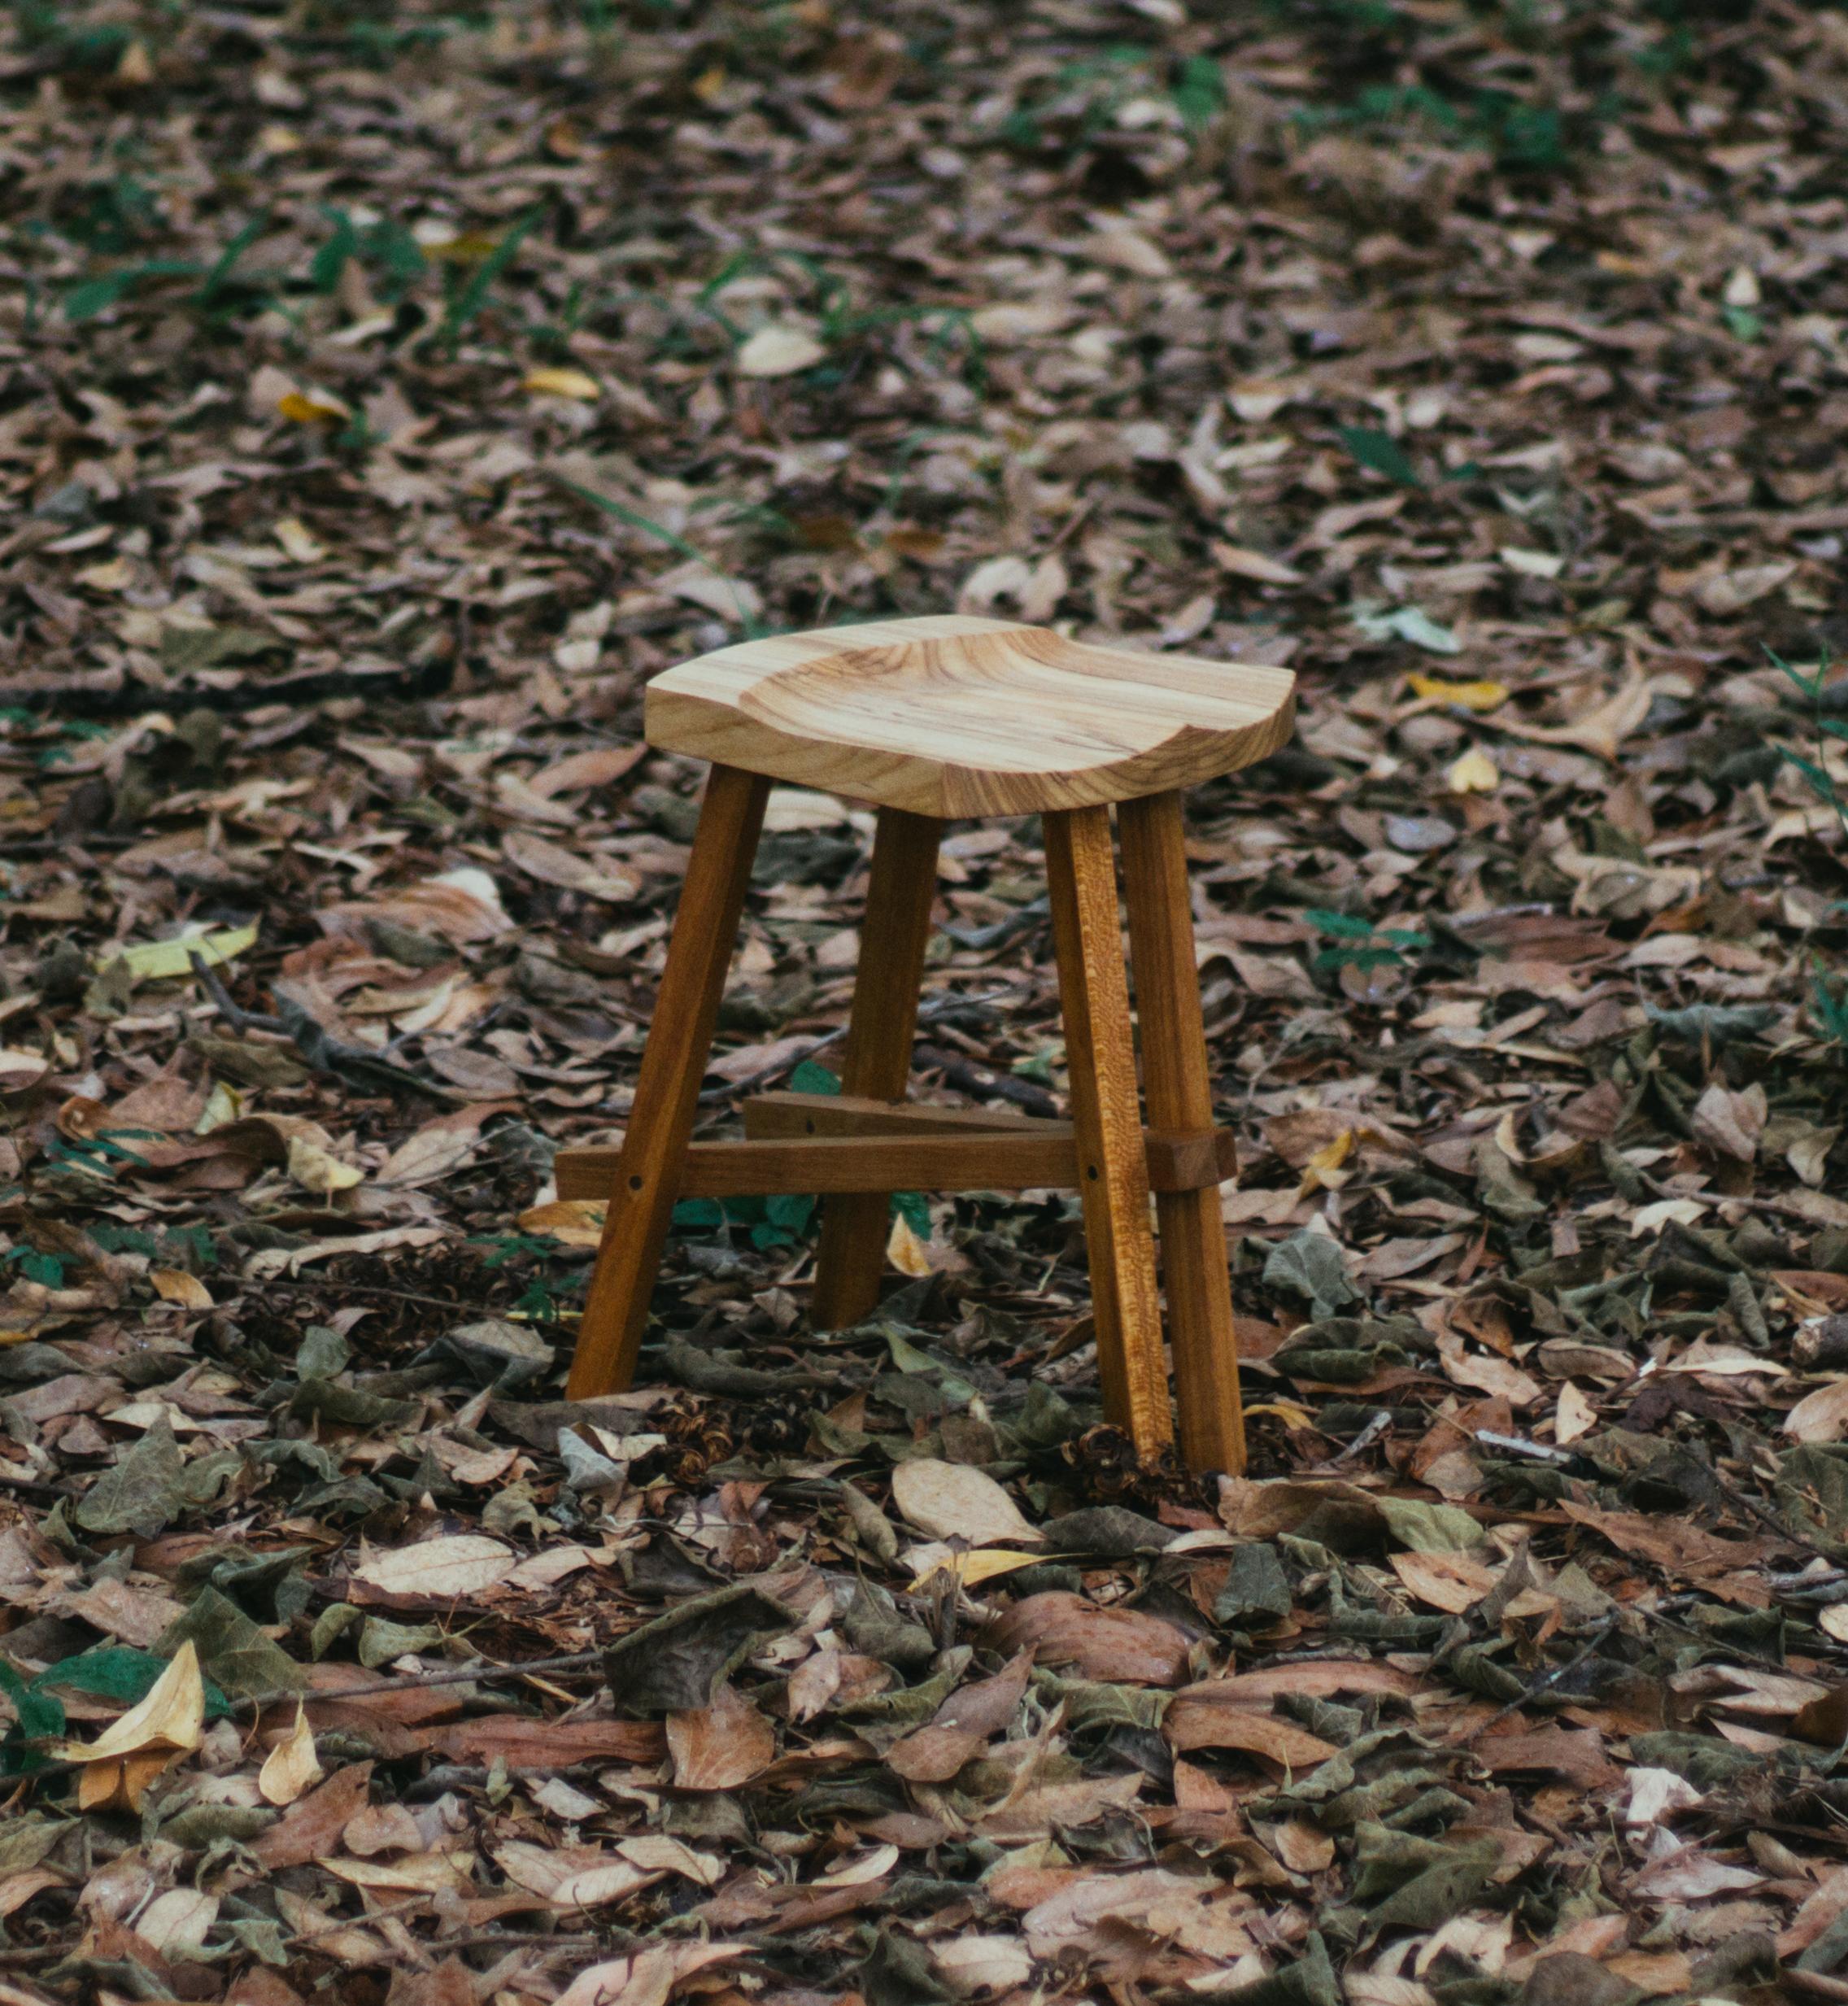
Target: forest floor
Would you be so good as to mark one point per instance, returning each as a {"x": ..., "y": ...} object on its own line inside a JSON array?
[{"x": 385, "y": 393}]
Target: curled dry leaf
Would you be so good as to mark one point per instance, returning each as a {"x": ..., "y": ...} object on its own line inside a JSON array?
[
  {"x": 132, "y": 1751},
  {"x": 1821, "y": 1415},
  {"x": 292, "y": 1766}
]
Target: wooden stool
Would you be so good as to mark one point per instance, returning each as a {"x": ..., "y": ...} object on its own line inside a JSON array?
[{"x": 935, "y": 720}]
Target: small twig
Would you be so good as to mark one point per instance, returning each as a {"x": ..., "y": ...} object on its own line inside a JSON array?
[
  {"x": 1519, "y": 1445},
  {"x": 733, "y": 1088},
  {"x": 573, "y": 1661},
  {"x": 356, "y": 1064},
  {"x": 34, "y": 1486},
  {"x": 1378, "y": 1423},
  {"x": 1601, "y": 1630},
  {"x": 234, "y": 1014}
]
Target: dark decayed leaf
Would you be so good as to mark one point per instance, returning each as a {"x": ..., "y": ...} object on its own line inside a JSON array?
[
  {"x": 232, "y": 1649},
  {"x": 143, "y": 1493},
  {"x": 678, "y": 1661}
]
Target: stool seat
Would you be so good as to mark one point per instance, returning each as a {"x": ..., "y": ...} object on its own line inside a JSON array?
[{"x": 953, "y": 717}]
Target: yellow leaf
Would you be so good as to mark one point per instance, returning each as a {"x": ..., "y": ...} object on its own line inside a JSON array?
[
  {"x": 1285, "y": 1411},
  {"x": 470, "y": 248},
  {"x": 224, "y": 1104},
  {"x": 1471, "y": 696},
  {"x": 292, "y": 1766},
  {"x": 563, "y": 383},
  {"x": 298, "y": 541},
  {"x": 169, "y": 1720},
  {"x": 572, "y": 1221},
  {"x": 160, "y": 961},
  {"x": 316, "y": 1169},
  {"x": 317, "y": 409},
  {"x": 969, "y": 1568},
  {"x": 906, "y": 1252},
  {"x": 137, "y": 65},
  {"x": 117, "y": 1784},
  {"x": 1323, "y": 1172},
  {"x": 174, "y": 1284},
  {"x": 1475, "y": 773}
]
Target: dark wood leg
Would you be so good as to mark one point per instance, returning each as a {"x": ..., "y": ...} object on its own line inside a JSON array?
[
  {"x": 660, "y": 1122},
  {"x": 1180, "y": 1097},
  {"x": 1081, "y": 877},
  {"x": 900, "y": 890}
]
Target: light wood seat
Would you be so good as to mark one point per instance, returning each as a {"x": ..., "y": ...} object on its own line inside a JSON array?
[{"x": 952, "y": 717}]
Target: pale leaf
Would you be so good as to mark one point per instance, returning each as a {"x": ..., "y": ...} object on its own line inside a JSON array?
[
  {"x": 460, "y": 1563},
  {"x": 956, "y": 1501},
  {"x": 291, "y": 1767}
]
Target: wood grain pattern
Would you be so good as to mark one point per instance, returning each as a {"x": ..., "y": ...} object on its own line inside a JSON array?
[
  {"x": 1178, "y": 1160},
  {"x": 952, "y": 716},
  {"x": 1081, "y": 878},
  {"x": 1180, "y": 1091},
  {"x": 661, "y": 1121},
  {"x": 794, "y": 1150},
  {"x": 900, "y": 889},
  {"x": 790, "y": 1114},
  {"x": 859, "y": 1165}
]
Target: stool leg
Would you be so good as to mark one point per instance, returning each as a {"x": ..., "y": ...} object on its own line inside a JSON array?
[
  {"x": 674, "y": 1063},
  {"x": 1180, "y": 1097},
  {"x": 900, "y": 889},
  {"x": 1081, "y": 878}
]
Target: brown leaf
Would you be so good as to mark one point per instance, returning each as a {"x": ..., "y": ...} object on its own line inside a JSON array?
[
  {"x": 720, "y": 1746},
  {"x": 312, "y": 1826},
  {"x": 1678, "y": 1548},
  {"x": 1194, "y": 1720},
  {"x": 1122, "y": 1645}
]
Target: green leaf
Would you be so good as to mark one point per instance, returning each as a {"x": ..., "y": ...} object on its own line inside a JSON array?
[
  {"x": 98, "y": 295},
  {"x": 330, "y": 260},
  {"x": 1343, "y": 925},
  {"x": 1831, "y": 1006},
  {"x": 1362, "y": 957},
  {"x": 790, "y": 1210},
  {"x": 913, "y": 1207},
  {"x": 754, "y": 629},
  {"x": 117, "y": 1671},
  {"x": 1818, "y": 777},
  {"x": 46, "y": 1269},
  {"x": 472, "y": 297},
  {"x": 1199, "y": 93},
  {"x": 227, "y": 258},
  {"x": 810, "y": 1077},
  {"x": 1382, "y": 452},
  {"x": 40, "y": 1713},
  {"x": 1807, "y": 686}
]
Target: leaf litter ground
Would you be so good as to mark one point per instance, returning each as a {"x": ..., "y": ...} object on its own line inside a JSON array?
[{"x": 388, "y": 392}]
